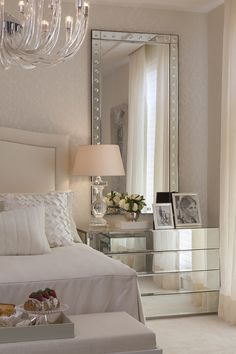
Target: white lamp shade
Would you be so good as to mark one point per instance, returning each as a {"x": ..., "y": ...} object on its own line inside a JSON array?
[{"x": 98, "y": 160}]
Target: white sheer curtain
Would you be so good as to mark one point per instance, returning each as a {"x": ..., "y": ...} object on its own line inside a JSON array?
[
  {"x": 227, "y": 305},
  {"x": 137, "y": 124},
  {"x": 161, "y": 159},
  {"x": 148, "y": 132}
]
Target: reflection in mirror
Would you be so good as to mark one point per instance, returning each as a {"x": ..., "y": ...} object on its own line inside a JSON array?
[{"x": 135, "y": 105}]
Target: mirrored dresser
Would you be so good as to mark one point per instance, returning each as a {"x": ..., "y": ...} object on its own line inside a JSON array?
[{"x": 178, "y": 269}]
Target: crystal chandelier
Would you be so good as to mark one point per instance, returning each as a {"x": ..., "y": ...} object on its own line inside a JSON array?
[{"x": 37, "y": 36}]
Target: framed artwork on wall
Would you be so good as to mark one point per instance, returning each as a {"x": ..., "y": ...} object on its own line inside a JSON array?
[
  {"x": 163, "y": 216},
  {"x": 186, "y": 210},
  {"x": 119, "y": 136}
]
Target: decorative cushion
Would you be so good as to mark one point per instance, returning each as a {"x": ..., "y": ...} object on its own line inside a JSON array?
[
  {"x": 59, "y": 225},
  {"x": 22, "y": 231}
]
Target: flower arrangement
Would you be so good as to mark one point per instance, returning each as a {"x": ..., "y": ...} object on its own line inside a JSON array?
[
  {"x": 113, "y": 200},
  {"x": 133, "y": 203}
]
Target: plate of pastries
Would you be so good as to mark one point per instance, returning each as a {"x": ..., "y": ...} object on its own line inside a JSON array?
[{"x": 43, "y": 302}]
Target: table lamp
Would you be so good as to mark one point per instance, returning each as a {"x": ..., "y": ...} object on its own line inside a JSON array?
[{"x": 96, "y": 161}]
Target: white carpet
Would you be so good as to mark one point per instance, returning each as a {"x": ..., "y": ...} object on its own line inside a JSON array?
[{"x": 194, "y": 335}]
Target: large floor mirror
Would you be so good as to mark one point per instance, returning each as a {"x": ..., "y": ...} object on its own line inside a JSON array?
[{"x": 135, "y": 105}]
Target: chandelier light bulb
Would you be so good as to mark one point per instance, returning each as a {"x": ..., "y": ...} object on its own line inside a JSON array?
[
  {"x": 86, "y": 9},
  {"x": 69, "y": 22},
  {"x": 79, "y": 3},
  {"x": 21, "y": 5},
  {"x": 33, "y": 41},
  {"x": 45, "y": 26}
]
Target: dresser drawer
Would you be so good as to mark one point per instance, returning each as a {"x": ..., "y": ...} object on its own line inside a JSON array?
[
  {"x": 170, "y": 261},
  {"x": 179, "y": 283},
  {"x": 180, "y": 304}
]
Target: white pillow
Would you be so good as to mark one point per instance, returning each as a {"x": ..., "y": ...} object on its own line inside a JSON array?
[
  {"x": 59, "y": 224},
  {"x": 22, "y": 231}
]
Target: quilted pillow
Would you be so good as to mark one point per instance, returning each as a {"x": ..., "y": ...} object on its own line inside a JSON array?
[
  {"x": 22, "y": 231},
  {"x": 59, "y": 224}
]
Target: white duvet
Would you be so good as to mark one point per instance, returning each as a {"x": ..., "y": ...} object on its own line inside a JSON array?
[{"x": 85, "y": 279}]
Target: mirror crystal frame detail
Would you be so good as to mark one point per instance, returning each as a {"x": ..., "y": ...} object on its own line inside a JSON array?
[{"x": 173, "y": 41}]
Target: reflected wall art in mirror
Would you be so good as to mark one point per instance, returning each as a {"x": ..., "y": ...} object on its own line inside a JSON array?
[{"x": 135, "y": 105}]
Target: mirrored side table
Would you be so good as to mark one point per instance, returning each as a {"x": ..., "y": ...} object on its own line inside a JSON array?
[{"x": 178, "y": 269}]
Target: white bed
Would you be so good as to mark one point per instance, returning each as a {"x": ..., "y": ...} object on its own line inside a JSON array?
[{"x": 85, "y": 279}]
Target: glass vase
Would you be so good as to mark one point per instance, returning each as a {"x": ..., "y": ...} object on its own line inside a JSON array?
[{"x": 131, "y": 216}]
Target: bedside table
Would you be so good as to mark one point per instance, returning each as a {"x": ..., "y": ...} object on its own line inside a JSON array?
[
  {"x": 177, "y": 269},
  {"x": 128, "y": 246}
]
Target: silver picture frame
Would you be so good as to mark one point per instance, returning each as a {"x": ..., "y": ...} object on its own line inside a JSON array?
[
  {"x": 186, "y": 210},
  {"x": 163, "y": 216}
]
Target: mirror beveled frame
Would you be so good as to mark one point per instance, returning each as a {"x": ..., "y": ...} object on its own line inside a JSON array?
[{"x": 173, "y": 41}]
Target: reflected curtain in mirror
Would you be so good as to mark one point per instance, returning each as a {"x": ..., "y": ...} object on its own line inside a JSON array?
[{"x": 148, "y": 124}]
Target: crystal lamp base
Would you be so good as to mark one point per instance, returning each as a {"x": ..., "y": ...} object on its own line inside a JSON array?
[{"x": 99, "y": 206}]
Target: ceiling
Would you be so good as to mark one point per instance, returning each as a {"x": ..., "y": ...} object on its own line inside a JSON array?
[{"x": 179, "y": 5}]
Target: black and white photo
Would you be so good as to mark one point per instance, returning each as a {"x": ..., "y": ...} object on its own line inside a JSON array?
[
  {"x": 186, "y": 209},
  {"x": 163, "y": 216}
]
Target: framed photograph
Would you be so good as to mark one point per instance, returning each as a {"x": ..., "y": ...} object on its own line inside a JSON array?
[
  {"x": 163, "y": 216},
  {"x": 186, "y": 210}
]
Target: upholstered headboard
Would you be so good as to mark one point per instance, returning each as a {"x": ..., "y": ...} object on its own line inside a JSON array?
[{"x": 33, "y": 162}]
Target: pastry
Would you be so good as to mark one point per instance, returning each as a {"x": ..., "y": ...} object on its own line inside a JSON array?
[
  {"x": 42, "y": 300},
  {"x": 7, "y": 309}
]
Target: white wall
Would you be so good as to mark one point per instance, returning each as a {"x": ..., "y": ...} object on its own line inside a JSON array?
[{"x": 58, "y": 99}]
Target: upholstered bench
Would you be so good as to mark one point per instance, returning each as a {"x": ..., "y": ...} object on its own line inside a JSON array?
[{"x": 114, "y": 332}]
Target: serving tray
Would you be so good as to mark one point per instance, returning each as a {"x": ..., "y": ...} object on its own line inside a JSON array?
[{"x": 62, "y": 330}]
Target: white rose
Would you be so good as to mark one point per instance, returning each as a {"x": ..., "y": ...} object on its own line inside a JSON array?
[
  {"x": 126, "y": 206},
  {"x": 109, "y": 203},
  {"x": 116, "y": 200},
  {"x": 122, "y": 203},
  {"x": 135, "y": 207}
]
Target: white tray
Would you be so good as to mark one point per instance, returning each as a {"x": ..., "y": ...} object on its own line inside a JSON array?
[{"x": 62, "y": 330}]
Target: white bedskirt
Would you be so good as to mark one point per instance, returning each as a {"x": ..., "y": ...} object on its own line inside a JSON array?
[{"x": 85, "y": 279}]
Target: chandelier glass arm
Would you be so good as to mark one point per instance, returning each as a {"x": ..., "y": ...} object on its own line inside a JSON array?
[{"x": 34, "y": 41}]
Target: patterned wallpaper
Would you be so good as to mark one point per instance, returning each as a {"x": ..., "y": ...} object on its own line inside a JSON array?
[{"x": 57, "y": 99}]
